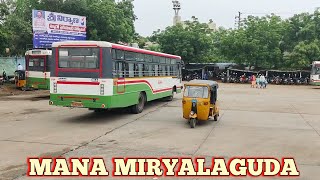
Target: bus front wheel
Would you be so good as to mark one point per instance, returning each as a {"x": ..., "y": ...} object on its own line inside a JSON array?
[{"x": 138, "y": 108}]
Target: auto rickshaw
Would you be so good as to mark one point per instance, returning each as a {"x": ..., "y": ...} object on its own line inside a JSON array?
[
  {"x": 20, "y": 79},
  {"x": 200, "y": 101}
]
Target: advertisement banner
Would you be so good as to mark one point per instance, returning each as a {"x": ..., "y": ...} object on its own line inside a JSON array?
[{"x": 49, "y": 27}]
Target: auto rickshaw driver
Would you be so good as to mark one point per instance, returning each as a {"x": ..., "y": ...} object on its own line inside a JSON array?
[{"x": 200, "y": 101}]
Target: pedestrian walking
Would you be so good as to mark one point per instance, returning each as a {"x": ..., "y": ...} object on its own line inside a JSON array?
[
  {"x": 4, "y": 75},
  {"x": 253, "y": 81},
  {"x": 263, "y": 81}
]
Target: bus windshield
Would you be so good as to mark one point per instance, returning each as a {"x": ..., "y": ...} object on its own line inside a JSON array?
[
  {"x": 36, "y": 63},
  {"x": 196, "y": 92},
  {"x": 79, "y": 58},
  {"x": 315, "y": 69}
]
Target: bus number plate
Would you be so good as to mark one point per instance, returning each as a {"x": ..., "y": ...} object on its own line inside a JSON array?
[{"x": 76, "y": 104}]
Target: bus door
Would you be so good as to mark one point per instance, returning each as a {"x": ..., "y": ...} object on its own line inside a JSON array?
[{"x": 45, "y": 76}]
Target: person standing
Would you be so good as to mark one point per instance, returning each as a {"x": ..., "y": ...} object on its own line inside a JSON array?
[
  {"x": 258, "y": 82},
  {"x": 4, "y": 75},
  {"x": 253, "y": 81},
  {"x": 263, "y": 81},
  {"x": 20, "y": 68}
]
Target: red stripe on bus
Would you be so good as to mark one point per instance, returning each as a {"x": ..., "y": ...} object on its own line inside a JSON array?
[
  {"x": 79, "y": 70},
  {"x": 126, "y": 48},
  {"x": 144, "y": 81},
  {"x": 79, "y": 45},
  {"x": 78, "y": 83},
  {"x": 75, "y": 97}
]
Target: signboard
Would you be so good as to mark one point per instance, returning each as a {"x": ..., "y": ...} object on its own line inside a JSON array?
[{"x": 50, "y": 27}]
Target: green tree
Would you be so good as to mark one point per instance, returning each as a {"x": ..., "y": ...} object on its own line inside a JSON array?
[{"x": 192, "y": 41}]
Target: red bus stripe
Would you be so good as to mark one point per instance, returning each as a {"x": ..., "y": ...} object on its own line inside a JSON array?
[
  {"x": 126, "y": 48},
  {"x": 79, "y": 45},
  {"x": 146, "y": 82},
  {"x": 79, "y": 70},
  {"x": 75, "y": 97},
  {"x": 79, "y": 83}
]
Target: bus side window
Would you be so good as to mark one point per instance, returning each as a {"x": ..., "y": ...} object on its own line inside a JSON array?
[
  {"x": 121, "y": 70},
  {"x": 163, "y": 67},
  {"x": 120, "y": 54},
  {"x": 168, "y": 71},
  {"x": 131, "y": 70},
  {"x": 151, "y": 70},
  {"x": 156, "y": 70},
  {"x": 114, "y": 69},
  {"x": 140, "y": 66},
  {"x": 114, "y": 55},
  {"x": 146, "y": 70}
]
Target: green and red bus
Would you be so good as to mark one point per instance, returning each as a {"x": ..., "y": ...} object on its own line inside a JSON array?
[
  {"x": 38, "y": 69},
  {"x": 315, "y": 73},
  {"x": 100, "y": 75}
]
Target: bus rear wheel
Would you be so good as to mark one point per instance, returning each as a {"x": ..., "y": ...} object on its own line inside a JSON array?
[{"x": 138, "y": 108}]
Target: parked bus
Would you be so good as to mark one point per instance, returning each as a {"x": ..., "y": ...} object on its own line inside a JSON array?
[
  {"x": 315, "y": 73},
  {"x": 38, "y": 69},
  {"x": 100, "y": 75}
]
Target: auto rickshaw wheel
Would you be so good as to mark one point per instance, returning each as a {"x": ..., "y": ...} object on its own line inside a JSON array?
[{"x": 193, "y": 123}]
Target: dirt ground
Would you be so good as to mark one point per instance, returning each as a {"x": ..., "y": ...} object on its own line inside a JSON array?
[{"x": 11, "y": 90}]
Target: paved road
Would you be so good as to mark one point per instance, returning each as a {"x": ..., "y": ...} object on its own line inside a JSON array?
[{"x": 276, "y": 122}]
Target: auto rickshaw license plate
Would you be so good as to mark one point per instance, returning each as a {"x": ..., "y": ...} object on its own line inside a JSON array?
[{"x": 76, "y": 104}]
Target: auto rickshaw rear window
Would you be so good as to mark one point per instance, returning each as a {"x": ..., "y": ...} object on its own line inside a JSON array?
[{"x": 196, "y": 92}]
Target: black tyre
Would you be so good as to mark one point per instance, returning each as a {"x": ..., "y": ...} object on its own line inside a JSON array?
[
  {"x": 138, "y": 108},
  {"x": 193, "y": 123},
  {"x": 170, "y": 98}
]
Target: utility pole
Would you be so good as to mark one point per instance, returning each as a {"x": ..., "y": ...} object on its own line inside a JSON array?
[
  {"x": 176, "y": 8},
  {"x": 238, "y": 20}
]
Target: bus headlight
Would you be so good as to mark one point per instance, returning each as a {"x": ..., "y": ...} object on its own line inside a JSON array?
[
  {"x": 55, "y": 88},
  {"x": 102, "y": 89}
]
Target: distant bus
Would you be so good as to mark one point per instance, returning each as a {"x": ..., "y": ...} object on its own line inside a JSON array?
[
  {"x": 315, "y": 73},
  {"x": 100, "y": 75},
  {"x": 38, "y": 69}
]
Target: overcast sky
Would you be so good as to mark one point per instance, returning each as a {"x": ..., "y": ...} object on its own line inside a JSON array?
[{"x": 158, "y": 14}]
